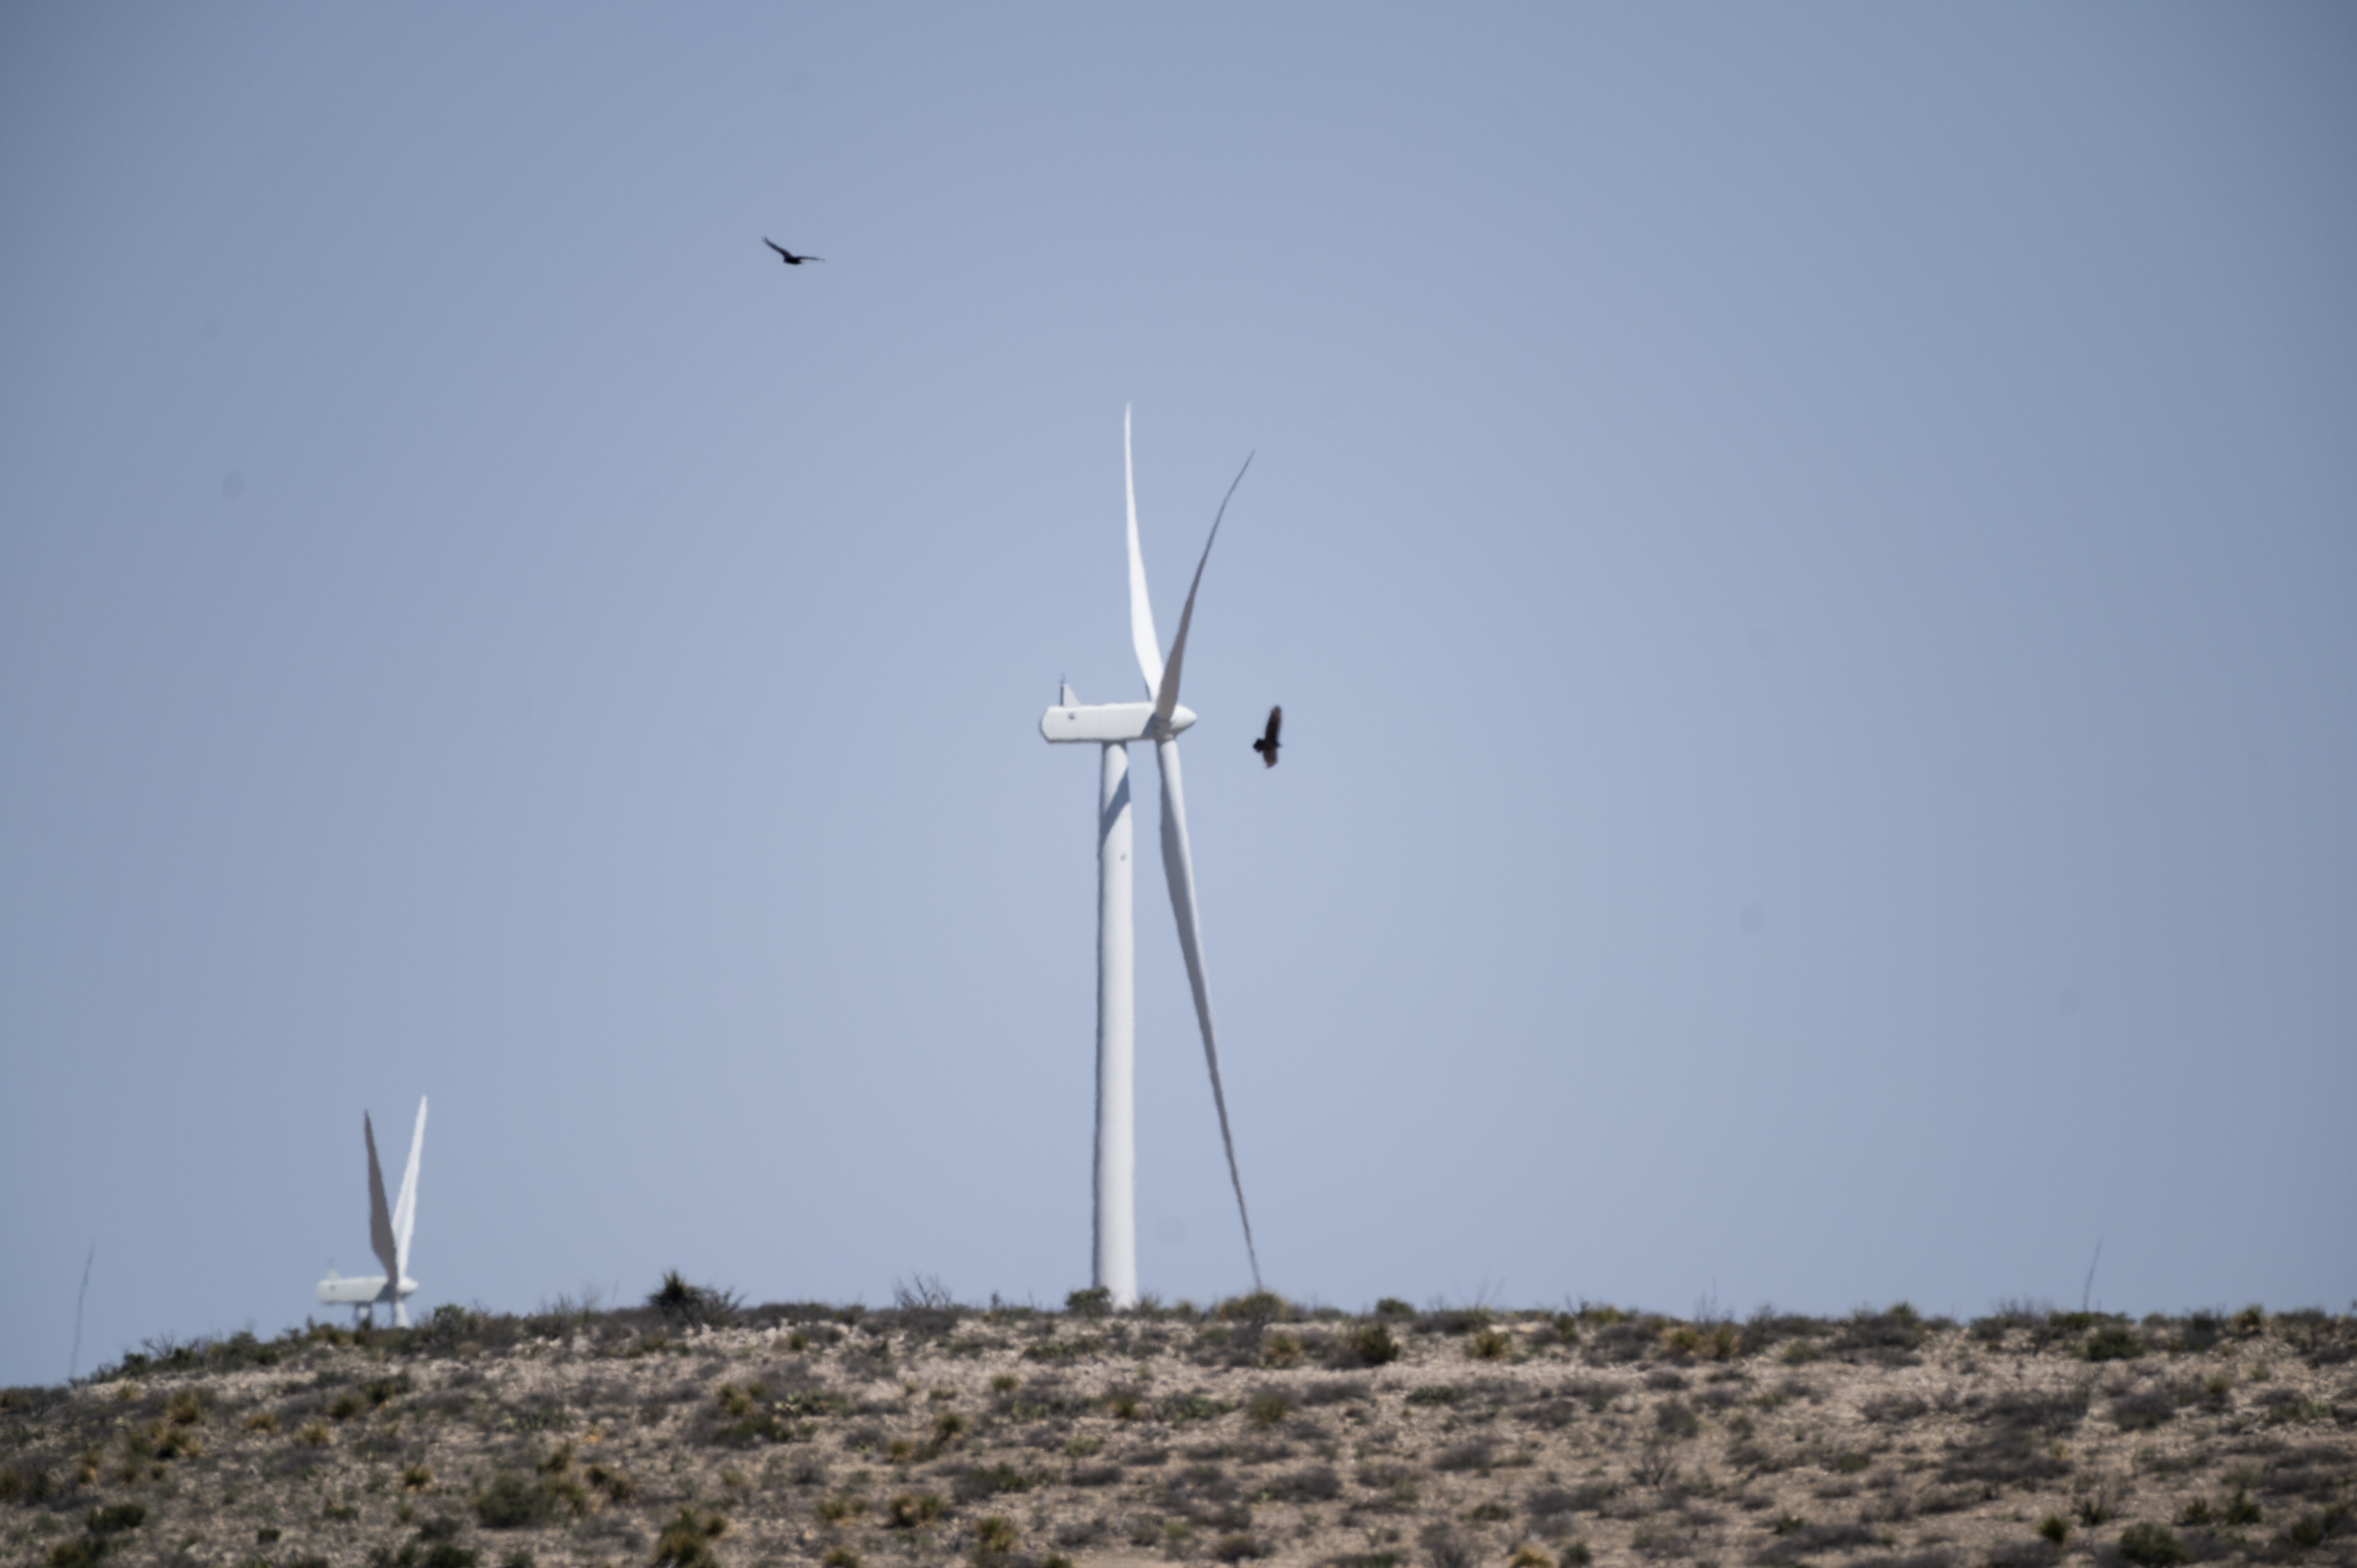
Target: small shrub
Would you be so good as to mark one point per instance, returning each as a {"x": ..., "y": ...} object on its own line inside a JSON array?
[
  {"x": 2152, "y": 1546},
  {"x": 315, "y": 1435},
  {"x": 18, "y": 1485},
  {"x": 994, "y": 1538},
  {"x": 2114, "y": 1342},
  {"x": 841, "y": 1509},
  {"x": 1280, "y": 1349},
  {"x": 183, "y": 1409},
  {"x": 838, "y": 1557},
  {"x": 416, "y": 1478},
  {"x": 1095, "y": 1302},
  {"x": 691, "y": 1305},
  {"x": 345, "y": 1406},
  {"x": 1444, "y": 1548},
  {"x": 2197, "y": 1512},
  {"x": 160, "y": 1440},
  {"x": 1236, "y": 1547},
  {"x": 261, "y": 1420},
  {"x": 513, "y": 1502},
  {"x": 2311, "y": 1530},
  {"x": 2241, "y": 1509},
  {"x": 1393, "y": 1306},
  {"x": 993, "y": 1480},
  {"x": 1489, "y": 1345},
  {"x": 1531, "y": 1557},
  {"x": 1268, "y": 1409},
  {"x": 115, "y": 1519},
  {"x": 1656, "y": 1464},
  {"x": 1254, "y": 1307},
  {"x": 1373, "y": 1345},
  {"x": 686, "y": 1541},
  {"x": 1475, "y": 1454},
  {"x": 911, "y": 1510},
  {"x": 1194, "y": 1407}
]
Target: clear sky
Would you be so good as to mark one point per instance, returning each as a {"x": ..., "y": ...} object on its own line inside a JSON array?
[{"x": 1809, "y": 553}]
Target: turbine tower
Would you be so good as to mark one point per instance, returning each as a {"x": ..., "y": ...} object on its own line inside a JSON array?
[{"x": 1111, "y": 726}]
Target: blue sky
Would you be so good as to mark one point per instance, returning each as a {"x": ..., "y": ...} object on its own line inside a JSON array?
[{"x": 1809, "y": 557}]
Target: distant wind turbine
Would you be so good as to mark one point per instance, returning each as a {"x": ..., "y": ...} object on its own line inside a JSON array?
[
  {"x": 389, "y": 1235},
  {"x": 1112, "y": 726}
]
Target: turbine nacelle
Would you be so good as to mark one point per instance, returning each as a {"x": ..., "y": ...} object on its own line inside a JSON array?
[
  {"x": 1109, "y": 724},
  {"x": 338, "y": 1291}
]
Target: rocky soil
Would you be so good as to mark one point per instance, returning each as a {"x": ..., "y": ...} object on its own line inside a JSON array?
[{"x": 703, "y": 1434}]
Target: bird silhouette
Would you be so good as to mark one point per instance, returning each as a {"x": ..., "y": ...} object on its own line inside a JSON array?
[
  {"x": 1266, "y": 745},
  {"x": 787, "y": 256}
]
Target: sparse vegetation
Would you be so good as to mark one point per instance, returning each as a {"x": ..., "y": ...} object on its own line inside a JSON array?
[
  {"x": 692, "y": 1305},
  {"x": 686, "y": 1541},
  {"x": 2152, "y": 1546},
  {"x": 1013, "y": 1437}
]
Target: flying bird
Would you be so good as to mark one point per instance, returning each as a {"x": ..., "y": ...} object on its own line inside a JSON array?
[
  {"x": 787, "y": 256},
  {"x": 1266, "y": 745}
]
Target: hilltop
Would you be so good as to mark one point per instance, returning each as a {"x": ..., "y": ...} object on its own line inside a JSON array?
[{"x": 694, "y": 1432}]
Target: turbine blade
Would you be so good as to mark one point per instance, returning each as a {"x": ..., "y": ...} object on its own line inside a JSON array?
[
  {"x": 379, "y": 1222},
  {"x": 405, "y": 1211},
  {"x": 1167, "y": 698},
  {"x": 1141, "y": 613},
  {"x": 1178, "y": 867}
]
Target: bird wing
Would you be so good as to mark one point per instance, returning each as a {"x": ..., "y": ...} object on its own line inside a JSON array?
[
  {"x": 775, "y": 246},
  {"x": 1276, "y": 720}
]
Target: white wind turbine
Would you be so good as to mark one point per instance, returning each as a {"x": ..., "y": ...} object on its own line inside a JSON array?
[
  {"x": 1112, "y": 726},
  {"x": 388, "y": 1234}
]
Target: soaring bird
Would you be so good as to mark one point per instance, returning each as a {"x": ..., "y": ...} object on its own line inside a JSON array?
[
  {"x": 1266, "y": 745},
  {"x": 787, "y": 256}
]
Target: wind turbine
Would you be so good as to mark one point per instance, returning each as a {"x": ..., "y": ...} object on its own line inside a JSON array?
[
  {"x": 1112, "y": 726},
  {"x": 388, "y": 1237}
]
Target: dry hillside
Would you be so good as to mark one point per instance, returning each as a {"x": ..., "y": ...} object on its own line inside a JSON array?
[{"x": 694, "y": 1432}]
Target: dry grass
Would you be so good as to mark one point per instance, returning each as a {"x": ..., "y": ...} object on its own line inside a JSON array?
[{"x": 1023, "y": 1439}]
